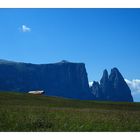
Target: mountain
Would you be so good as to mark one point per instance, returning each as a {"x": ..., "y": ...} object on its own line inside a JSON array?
[
  {"x": 65, "y": 79},
  {"x": 112, "y": 87}
]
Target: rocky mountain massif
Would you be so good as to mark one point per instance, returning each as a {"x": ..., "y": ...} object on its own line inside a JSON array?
[
  {"x": 63, "y": 79},
  {"x": 112, "y": 87}
]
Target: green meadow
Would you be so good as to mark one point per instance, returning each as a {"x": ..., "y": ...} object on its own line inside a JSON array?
[{"x": 36, "y": 113}]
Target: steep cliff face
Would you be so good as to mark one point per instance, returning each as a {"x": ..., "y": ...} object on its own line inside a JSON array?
[
  {"x": 119, "y": 86},
  {"x": 96, "y": 90},
  {"x": 63, "y": 79},
  {"x": 112, "y": 87},
  {"x": 105, "y": 85}
]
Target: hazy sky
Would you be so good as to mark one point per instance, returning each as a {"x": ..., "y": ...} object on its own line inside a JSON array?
[{"x": 101, "y": 38}]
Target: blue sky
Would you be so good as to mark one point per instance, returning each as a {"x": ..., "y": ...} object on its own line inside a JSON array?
[{"x": 101, "y": 38}]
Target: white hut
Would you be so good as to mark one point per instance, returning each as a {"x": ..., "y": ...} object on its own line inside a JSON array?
[{"x": 37, "y": 92}]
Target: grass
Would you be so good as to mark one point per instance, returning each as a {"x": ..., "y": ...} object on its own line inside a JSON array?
[{"x": 26, "y": 113}]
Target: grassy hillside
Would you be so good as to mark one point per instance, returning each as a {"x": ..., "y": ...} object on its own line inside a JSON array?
[{"x": 24, "y": 112}]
